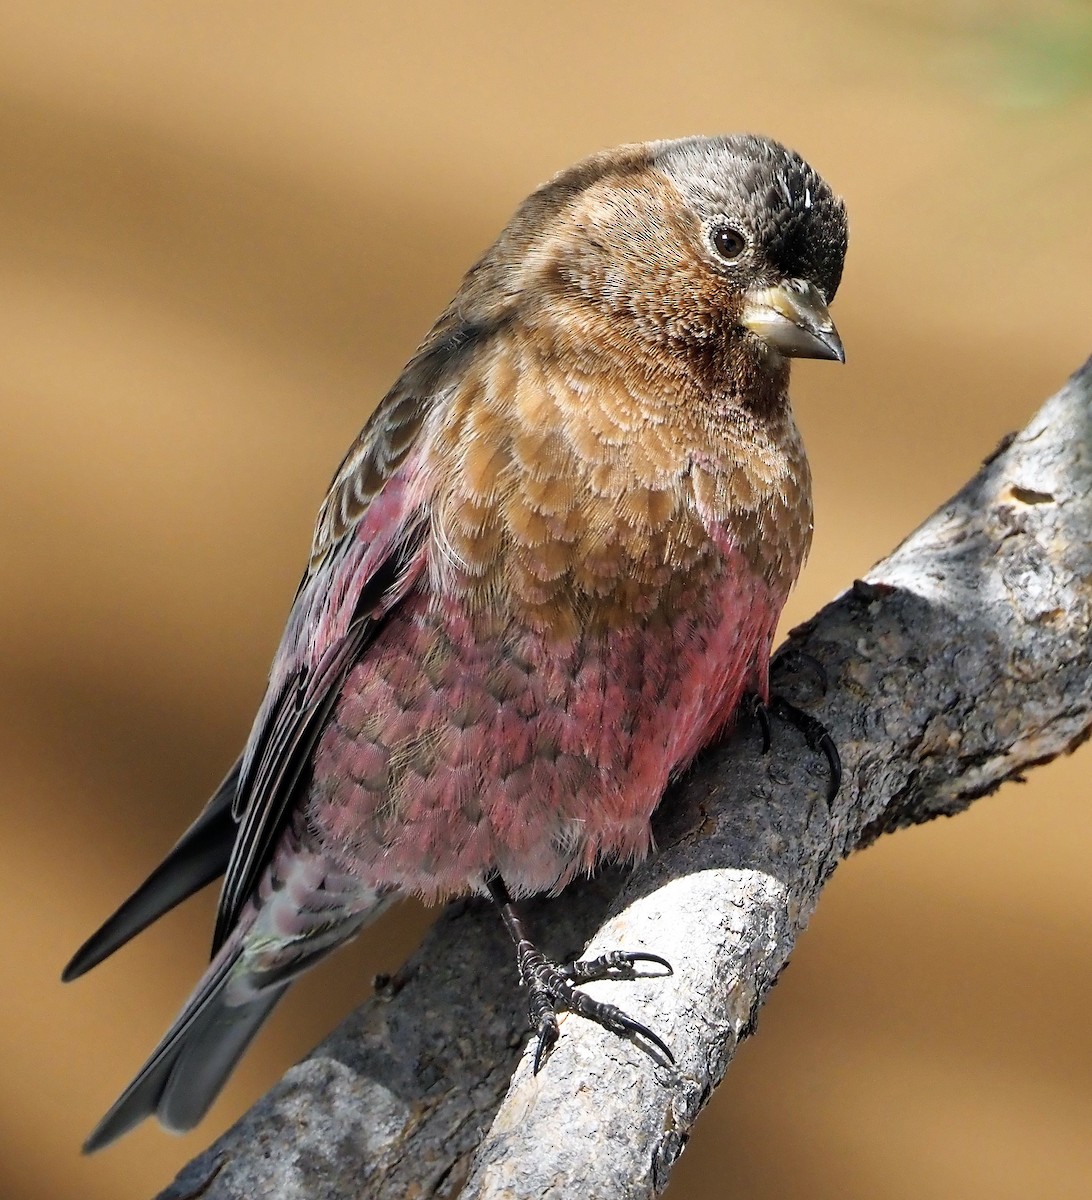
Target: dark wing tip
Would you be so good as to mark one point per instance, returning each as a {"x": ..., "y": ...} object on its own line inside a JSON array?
[
  {"x": 89, "y": 955},
  {"x": 199, "y": 857}
]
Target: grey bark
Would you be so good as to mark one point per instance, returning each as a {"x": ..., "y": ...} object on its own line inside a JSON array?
[{"x": 961, "y": 661}]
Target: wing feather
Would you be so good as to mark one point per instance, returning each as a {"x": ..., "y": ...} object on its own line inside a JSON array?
[
  {"x": 200, "y": 856},
  {"x": 369, "y": 550}
]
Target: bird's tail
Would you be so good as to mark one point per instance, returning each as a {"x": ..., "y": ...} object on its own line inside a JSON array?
[
  {"x": 191, "y": 1064},
  {"x": 274, "y": 943}
]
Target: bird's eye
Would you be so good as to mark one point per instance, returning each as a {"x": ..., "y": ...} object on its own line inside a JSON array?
[{"x": 728, "y": 243}]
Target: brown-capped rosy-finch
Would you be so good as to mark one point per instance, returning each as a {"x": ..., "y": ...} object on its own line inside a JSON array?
[{"x": 545, "y": 576}]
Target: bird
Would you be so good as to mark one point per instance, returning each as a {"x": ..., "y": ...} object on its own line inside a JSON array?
[{"x": 545, "y": 575}]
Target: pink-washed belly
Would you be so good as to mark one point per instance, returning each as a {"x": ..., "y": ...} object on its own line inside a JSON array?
[{"x": 454, "y": 753}]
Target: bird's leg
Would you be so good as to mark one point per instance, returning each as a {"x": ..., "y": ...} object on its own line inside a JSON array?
[
  {"x": 814, "y": 731},
  {"x": 551, "y": 986}
]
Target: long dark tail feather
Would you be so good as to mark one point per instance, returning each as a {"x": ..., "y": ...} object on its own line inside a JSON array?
[
  {"x": 305, "y": 908},
  {"x": 200, "y": 856},
  {"x": 189, "y": 1067}
]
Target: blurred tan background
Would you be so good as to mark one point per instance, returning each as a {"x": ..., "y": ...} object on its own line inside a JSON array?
[{"x": 224, "y": 227}]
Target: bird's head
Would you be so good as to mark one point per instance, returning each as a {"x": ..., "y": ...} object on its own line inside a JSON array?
[{"x": 729, "y": 248}]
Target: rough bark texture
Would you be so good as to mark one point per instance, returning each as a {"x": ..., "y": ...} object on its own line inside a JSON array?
[{"x": 961, "y": 661}]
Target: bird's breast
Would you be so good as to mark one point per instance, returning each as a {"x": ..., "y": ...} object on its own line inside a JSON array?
[
  {"x": 563, "y": 556},
  {"x": 577, "y": 499}
]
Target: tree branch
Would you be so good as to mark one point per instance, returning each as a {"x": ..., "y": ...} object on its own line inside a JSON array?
[{"x": 963, "y": 660}]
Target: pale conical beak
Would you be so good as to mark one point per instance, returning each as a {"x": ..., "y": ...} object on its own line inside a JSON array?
[{"x": 793, "y": 318}]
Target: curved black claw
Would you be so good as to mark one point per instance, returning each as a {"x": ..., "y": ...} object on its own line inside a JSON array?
[
  {"x": 547, "y": 1036},
  {"x": 815, "y": 734},
  {"x": 757, "y": 709},
  {"x": 615, "y": 964},
  {"x": 797, "y": 661},
  {"x": 551, "y": 990},
  {"x": 551, "y": 987}
]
